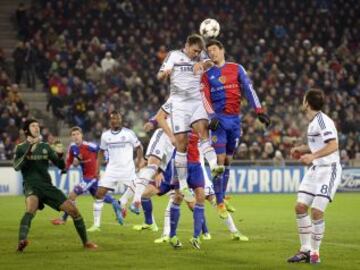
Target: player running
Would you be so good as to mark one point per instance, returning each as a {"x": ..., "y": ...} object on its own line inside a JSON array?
[
  {"x": 320, "y": 182},
  {"x": 184, "y": 68},
  {"x": 83, "y": 153},
  {"x": 32, "y": 159},
  {"x": 120, "y": 142},
  {"x": 222, "y": 87}
]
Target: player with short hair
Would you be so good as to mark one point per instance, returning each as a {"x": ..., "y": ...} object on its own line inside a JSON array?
[
  {"x": 186, "y": 110},
  {"x": 320, "y": 182},
  {"x": 120, "y": 143},
  {"x": 83, "y": 153},
  {"x": 32, "y": 159},
  {"x": 222, "y": 87}
]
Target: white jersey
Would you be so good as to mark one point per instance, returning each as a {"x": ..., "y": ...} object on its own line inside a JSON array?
[
  {"x": 184, "y": 84},
  {"x": 322, "y": 129},
  {"x": 120, "y": 146}
]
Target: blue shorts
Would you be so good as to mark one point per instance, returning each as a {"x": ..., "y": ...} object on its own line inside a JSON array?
[
  {"x": 90, "y": 185},
  {"x": 168, "y": 182},
  {"x": 195, "y": 177},
  {"x": 226, "y": 138}
]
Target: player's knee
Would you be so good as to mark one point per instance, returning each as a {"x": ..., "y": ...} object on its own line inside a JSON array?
[
  {"x": 178, "y": 198},
  {"x": 301, "y": 208},
  {"x": 100, "y": 193},
  {"x": 316, "y": 214},
  {"x": 73, "y": 195}
]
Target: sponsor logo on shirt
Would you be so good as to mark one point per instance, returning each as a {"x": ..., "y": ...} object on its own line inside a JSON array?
[{"x": 222, "y": 79}]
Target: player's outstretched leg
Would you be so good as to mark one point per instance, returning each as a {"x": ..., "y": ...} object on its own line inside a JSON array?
[
  {"x": 25, "y": 225},
  {"x": 229, "y": 207},
  {"x": 304, "y": 230},
  {"x": 32, "y": 204},
  {"x": 97, "y": 210},
  {"x": 174, "y": 220},
  {"x": 149, "y": 221},
  {"x": 198, "y": 215},
  {"x": 218, "y": 187},
  {"x": 145, "y": 175},
  {"x": 210, "y": 155},
  {"x": 166, "y": 230},
  {"x": 79, "y": 224},
  {"x": 205, "y": 231},
  {"x": 317, "y": 233}
]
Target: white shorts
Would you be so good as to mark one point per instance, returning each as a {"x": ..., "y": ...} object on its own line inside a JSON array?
[
  {"x": 318, "y": 187},
  {"x": 111, "y": 180},
  {"x": 184, "y": 113},
  {"x": 161, "y": 147}
]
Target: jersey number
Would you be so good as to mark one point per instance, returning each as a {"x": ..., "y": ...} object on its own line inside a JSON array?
[{"x": 324, "y": 189}]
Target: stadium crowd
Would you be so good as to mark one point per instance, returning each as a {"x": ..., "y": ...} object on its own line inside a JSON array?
[{"x": 96, "y": 56}]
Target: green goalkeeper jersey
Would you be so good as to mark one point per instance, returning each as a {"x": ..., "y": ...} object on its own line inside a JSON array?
[{"x": 34, "y": 165}]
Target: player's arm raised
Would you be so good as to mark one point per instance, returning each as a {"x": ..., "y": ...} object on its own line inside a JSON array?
[{"x": 166, "y": 68}]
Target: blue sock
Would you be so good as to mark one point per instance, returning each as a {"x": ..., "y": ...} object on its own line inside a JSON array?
[
  {"x": 174, "y": 218},
  {"x": 65, "y": 216},
  {"x": 225, "y": 180},
  {"x": 198, "y": 219},
  {"x": 147, "y": 207},
  {"x": 108, "y": 198},
  {"x": 218, "y": 188},
  {"x": 204, "y": 226}
]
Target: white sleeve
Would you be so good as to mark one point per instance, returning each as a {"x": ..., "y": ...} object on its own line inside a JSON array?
[
  {"x": 134, "y": 139},
  {"x": 327, "y": 129},
  {"x": 168, "y": 62},
  {"x": 103, "y": 143}
]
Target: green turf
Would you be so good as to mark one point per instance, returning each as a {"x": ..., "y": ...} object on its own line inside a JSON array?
[{"x": 267, "y": 219}]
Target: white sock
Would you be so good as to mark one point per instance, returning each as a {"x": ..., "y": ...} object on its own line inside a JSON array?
[
  {"x": 209, "y": 153},
  {"x": 304, "y": 229},
  {"x": 181, "y": 169},
  {"x": 166, "y": 230},
  {"x": 317, "y": 233},
  {"x": 129, "y": 192},
  {"x": 144, "y": 177},
  {"x": 97, "y": 209},
  {"x": 230, "y": 224}
]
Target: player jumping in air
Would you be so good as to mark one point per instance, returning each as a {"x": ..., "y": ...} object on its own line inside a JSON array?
[
  {"x": 83, "y": 153},
  {"x": 186, "y": 110},
  {"x": 222, "y": 87},
  {"x": 320, "y": 182},
  {"x": 32, "y": 159}
]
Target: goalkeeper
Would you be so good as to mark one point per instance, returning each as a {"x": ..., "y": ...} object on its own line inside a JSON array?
[{"x": 32, "y": 159}]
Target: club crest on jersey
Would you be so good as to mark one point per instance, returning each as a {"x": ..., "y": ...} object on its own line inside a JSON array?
[
  {"x": 222, "y": 79},
  {"x": 177, "y": 128},
  {"x": 214, "y": 139}
]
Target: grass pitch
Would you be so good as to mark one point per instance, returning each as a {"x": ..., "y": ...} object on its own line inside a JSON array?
[{"x": 268, "y": 220}]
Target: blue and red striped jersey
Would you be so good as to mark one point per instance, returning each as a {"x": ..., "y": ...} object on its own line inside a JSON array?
[
  {"x": 87, "y": 153},
  {"x": 222, "y": 88}
]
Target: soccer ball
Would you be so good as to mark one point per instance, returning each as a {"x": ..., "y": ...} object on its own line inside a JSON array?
[{"x": 209, "y": 28}]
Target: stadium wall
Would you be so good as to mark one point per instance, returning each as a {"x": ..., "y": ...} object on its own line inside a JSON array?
[{"x": 243, "y": 179}]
